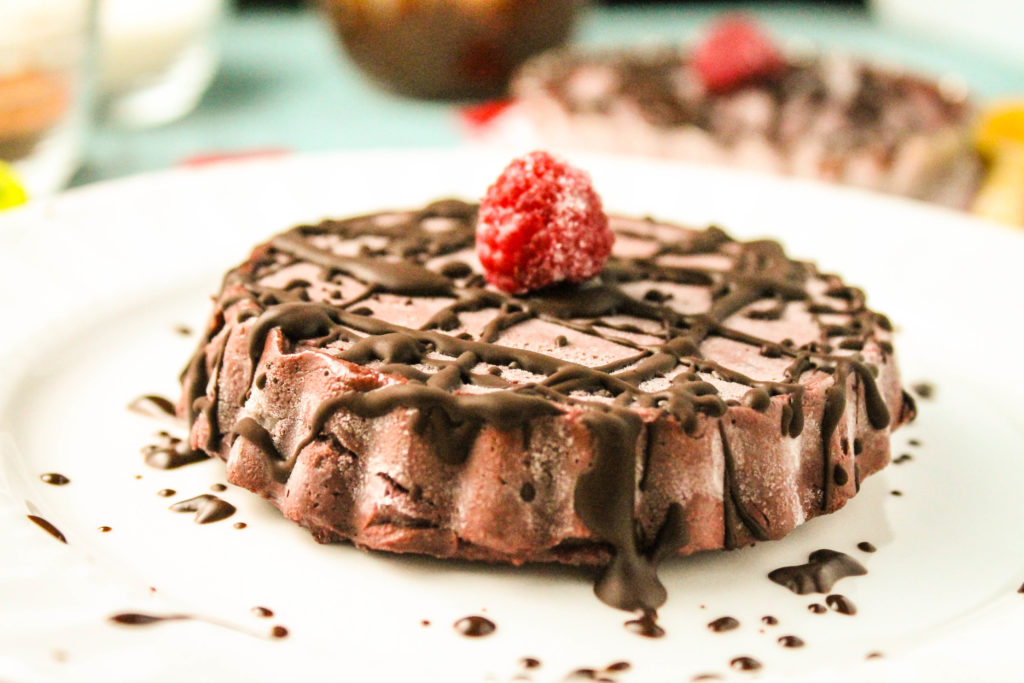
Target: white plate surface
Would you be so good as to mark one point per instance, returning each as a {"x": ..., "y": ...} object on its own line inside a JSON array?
[{"x": 94, "y": 283}]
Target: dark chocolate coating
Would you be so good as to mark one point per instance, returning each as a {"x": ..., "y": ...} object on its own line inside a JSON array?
[{"x": 363, "y": 379}]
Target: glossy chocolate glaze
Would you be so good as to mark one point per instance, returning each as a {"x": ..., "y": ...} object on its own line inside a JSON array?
[
  {"x": 745, "y": 664},
  {"x": 841, "y": 604},
  {"x": 208, "y": 508},
  {"x": 823, "y": 569},
  {"x": 474, "y": 626},
  {"x": 723, "y": 624},
  {"x": 48, "y": 527},
  {"x": 646, "y": 625},
  {"x": 54, "y": 479},
  {"x": 455, "y": 400}
]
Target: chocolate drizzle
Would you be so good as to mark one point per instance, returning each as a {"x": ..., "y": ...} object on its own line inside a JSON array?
[
  {"x": 823, "y": 569},
  {"x": 208, "y": 508},
  {"x": 48, "y": 527},
  {"x": 435, "y": 370}
]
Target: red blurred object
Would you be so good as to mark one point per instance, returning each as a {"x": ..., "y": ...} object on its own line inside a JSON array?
[{"x": 735, "y": 51}]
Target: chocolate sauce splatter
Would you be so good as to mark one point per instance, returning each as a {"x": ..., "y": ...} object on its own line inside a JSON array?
[
  {"x": 49, "y": 528},
  {"x": 239, "y": 525},
  {"x": 137, "y": 619},
  {"x": 183, "y": 330},
  {"x": 54, "y": 479},
  {"x": 914, "y": 442},
  {"x": 706, "y": 677},
  {"x": 474, "y": 626},
  {"x": 896, "y": 492},
  {"x": 166, "y": 493},
  {"x": 875, "y": 654},
  {"x": 424, "y": 622},
  {"x": 841, "y": 604},
  {"x": 902, "y": 458},
  {"x": 817, "y": 608},
  {"x": 218, "y": 487},
  {"x": 151, "y": 405},
  {"x": 208, "y": 508},
  {"x": 769, "y": 620},
  {"x": 646, "y": 625},
  {"x": 722, "y": 624},
  {"x": 745, "y": 664},
  {"x": 104, "y": 529},
  {"x": 866, "y": 547},
  {"x": 604, "y": 497},
  {"x": 617, "y": 667},
  {"x": 823, "y": 569},
  {"x": 791, "y": 641},
  {"x": 262, "y": 612},
  {"x": 530, "y": 663},
  {"x": 170, "y": 453},
  {"x": 925, "y": 390},
  {"x": 279, "y": 632}
]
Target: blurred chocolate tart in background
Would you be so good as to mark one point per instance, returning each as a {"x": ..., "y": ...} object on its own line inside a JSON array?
[{"x": 448, "y": 49}]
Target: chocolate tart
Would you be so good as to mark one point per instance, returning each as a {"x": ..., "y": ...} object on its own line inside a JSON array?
[
  {"x": 701, "y": 393},
  {"x": 829, "y": 117}
]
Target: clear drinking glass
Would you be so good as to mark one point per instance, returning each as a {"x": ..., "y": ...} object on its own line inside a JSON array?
[
  {"x": 44, "y": 93},
  {"x": 155, "y": 58}
]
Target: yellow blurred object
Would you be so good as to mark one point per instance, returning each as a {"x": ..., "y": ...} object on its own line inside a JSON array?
[
  {"x": 999, "y": 135},
  {"x": 11, "y": 192}
]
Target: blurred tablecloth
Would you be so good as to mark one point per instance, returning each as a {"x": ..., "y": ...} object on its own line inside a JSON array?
[{"x": 284, "y": 83}]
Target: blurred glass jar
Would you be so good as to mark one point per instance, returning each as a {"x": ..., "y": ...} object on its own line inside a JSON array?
[
  {"x": 156, "y": 58},
  {"x": 448, "y": 49},
  {"x": 44, "y": 48}
]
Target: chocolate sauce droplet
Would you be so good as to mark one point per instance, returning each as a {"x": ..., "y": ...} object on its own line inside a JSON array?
[
  {"x": 262, "y": 612},
  {"x": 208, "y": 508},
  {"x": 874, "y": 654},
  {"x": 183, "y": 330},
  {"x": 902, "y": 458},
  {"x": 896, "y": 492},
  {"x": 136, "y": 619},
  {"x": 925, "y": 390},
  {"x": 646, "y": 625},
  {"x": 616, "y": 667},
  {"x": 841, "y": 604},
  {"x": 817, "y": 608},
  {"x": 104, "y": 529},
  {"x": 54, "y": 479},
  {"x": 171, "y": 453},
  {"x": 49, "y": 528},
  {"x": 769, "y": 620},
  {"x": 166, "y": 493},
  {"x": 823, "y": 569},
  {"x": 706, "y": 677},
  {"x": 474, "y": 626},
  {"x": 239, "y": 525},
  {"x": 745, "y": 664},
  {"x": 791, "y": 641},
  {"x": 866, "y": 547},
  {"x": 723, "y": 624},
  {"x": 218, "y": 488},
  {"x": 279, "y": 632},
  {"x": 424, "y": 622},
  {"x": 529, "y": 663},
  {"x": 914, "y": 442},
  {"x": 152, "y": 405}
]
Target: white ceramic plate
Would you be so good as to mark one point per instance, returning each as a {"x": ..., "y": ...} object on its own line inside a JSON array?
[{"x": 94, "y": 284}]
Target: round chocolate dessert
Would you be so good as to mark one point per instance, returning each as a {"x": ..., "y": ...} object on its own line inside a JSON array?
[
  {"x": 699, "y": 393},
  {"x": 734, "y": 99}
]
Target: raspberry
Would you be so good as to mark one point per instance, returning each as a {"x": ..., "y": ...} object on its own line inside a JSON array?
[
  {"x": 541, "y": 223},
  {"x": 734, "y": 52}
]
